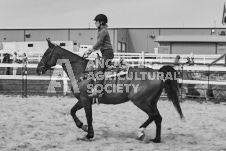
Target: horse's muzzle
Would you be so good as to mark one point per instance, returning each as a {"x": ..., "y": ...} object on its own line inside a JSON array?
[{"x": 41, "y": 70}]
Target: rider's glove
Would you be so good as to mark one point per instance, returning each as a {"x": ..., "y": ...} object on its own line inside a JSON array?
[{"x": 88, "y": 51}]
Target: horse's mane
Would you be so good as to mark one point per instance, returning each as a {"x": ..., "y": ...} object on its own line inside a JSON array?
[{"x": 77, "y": 57}]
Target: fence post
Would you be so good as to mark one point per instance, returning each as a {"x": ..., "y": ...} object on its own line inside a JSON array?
[
  {"x": 65, "y": 83},
  {"x": 24, "y": 80},
  {"x": 208, "y": 86},
  {"x": 142, "y": 57},
  {"x": 39, "y": 57},
  {"x": 182, "y": 78}
]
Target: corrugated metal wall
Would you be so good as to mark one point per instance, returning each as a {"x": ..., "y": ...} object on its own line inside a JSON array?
[
  {"x": 11, "y": 35},
  {"x": 41, "y": 35},
  {"x": 221, "y": 48},
  {"x": 88, "y": 36},
  {"x": 185, "y": 31},
  {"x": 196, "y": 48},
  {"x": 83, "y": 37},
  {"x": 140, "y": 40}
]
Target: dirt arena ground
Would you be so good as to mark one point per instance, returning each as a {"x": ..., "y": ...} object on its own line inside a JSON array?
[{"x": 44, "y": 123}]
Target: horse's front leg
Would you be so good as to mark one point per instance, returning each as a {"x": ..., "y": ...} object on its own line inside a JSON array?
[
  {"x": 74, "y": 109},
  {"x": 87, "y": 104}
]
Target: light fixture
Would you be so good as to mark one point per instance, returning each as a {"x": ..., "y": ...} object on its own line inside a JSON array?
[
  {"x": 27, "y": 35},
  {"x": 152, "y": 36}
]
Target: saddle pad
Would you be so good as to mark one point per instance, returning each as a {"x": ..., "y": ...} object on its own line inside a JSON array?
[
  {"x": 123, "y": 71},
  {"x": 90, "y": 67}
]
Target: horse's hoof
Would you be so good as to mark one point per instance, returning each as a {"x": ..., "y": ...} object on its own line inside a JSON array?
[
  {"x": 155, "y": 140},
  {"x": 85, "y": 128},
  {"x": 142, "y": 137},
  {"x": 141, "y": 134},
  {"x": 145, "y": 139},
  {"x": 85, "y": 139}
]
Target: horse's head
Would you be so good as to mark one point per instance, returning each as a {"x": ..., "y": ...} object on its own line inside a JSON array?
[{"x": 48, "y": 60}]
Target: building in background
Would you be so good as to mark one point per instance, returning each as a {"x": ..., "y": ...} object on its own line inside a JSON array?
[
  {"x": 167, "y": 40},
  {"x": 198, "y": 44}
]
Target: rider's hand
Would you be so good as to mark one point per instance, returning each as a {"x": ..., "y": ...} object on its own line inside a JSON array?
[
  {"x": 86, "y": 52},
  {"x": 89, "y": 51}
]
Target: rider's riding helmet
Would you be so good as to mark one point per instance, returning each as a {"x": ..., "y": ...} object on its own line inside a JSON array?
[{"x": 101, "y": 18}]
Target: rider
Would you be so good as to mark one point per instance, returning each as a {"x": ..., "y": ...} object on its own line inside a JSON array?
[{"x": 104, "y": 44}]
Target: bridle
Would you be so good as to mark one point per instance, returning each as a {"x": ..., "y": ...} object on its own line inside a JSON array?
[{"x": 49, "y": 56}]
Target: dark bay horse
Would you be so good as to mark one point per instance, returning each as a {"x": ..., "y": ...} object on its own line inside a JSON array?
[{"x": 141, "y": 86}]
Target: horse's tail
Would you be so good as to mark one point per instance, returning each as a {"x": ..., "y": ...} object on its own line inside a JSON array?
[{"x": 171, "y": 86}]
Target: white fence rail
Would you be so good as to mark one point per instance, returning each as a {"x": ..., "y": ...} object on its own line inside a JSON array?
[
  {"x": 155, "y": 66},
  {"x": 139, "y": 58}
]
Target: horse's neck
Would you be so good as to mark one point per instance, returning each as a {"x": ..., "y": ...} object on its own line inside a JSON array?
[{"x": 75, "y": 67}]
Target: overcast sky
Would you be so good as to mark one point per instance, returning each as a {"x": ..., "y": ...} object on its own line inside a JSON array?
[{"x": 121, "y": 13}]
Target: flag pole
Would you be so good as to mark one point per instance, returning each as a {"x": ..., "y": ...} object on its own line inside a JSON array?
[{"x": 224, "y": 15}]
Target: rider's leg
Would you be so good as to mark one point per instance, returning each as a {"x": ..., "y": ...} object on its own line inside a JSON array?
[
  {"x": 99, "y": 75},
  {"x": 107, "y": 56}
]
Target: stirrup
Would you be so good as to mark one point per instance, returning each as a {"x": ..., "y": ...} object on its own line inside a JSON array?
[
  {"x": 94, "y": 94},
  {"x": 96, "y": 101}
]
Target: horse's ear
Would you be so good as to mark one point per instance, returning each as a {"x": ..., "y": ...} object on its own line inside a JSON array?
[{"x": 49, "y": 43}]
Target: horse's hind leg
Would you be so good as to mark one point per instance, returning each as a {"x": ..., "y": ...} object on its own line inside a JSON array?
[
  {"x": 149, "y": 106},
  {"x": 151, "y": 112},
  {"x": 153, "y": 115},
  {"x": 158, "y": 121}
]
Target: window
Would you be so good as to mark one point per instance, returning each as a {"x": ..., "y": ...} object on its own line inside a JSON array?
[
  {"x": 62, "y": 44},
  {"x": 30, "y": 45}
]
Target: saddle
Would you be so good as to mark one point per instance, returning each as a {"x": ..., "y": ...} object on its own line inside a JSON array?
[{"x": 114, "y": 70}]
